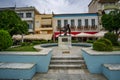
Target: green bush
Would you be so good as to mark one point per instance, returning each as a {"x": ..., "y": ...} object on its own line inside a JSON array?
[
  {"x": 26, "y": 44},
  {"x": 102, "y": 45},
  {"x": 99, "y": 46},
  {"x": 90, "y": 41},
  {"x": 5, "y": 40},
  {"x": 112, "y": 37},
  {"x": 74, "y": 41},
  {"x": 36, "y": 42},
  {"x": 43, "y": 41},
  {"x": 50, "y": 41},
  {"x": 106, "y": 41}
]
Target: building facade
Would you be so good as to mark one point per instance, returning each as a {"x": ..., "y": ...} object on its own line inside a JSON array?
[
  {"x": 28, "y": 14},
  {"x": 82, "y": 22},
  {"x": 45, "y": 24},
  {"x": 100, "y": 5},
  {"x": 103, "y": 6}
]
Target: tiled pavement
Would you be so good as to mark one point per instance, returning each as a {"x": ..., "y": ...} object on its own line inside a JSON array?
[
  {"x": 68, "y": 74},
  {"x": 74, "y": 74}
]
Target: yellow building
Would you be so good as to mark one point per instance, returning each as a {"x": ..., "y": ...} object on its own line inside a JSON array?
[{"x": 43, "y": 24}]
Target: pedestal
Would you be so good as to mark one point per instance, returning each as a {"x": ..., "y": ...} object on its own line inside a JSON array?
[{"x": 64, "y": 43}]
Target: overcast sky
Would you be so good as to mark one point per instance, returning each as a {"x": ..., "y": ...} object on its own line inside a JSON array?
[{"x": 47, "y": 6}]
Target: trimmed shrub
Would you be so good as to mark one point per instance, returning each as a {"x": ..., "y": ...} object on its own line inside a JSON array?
[
  {"x": 102, "y": 45},
  {"x": 5, "y": 40},
  {"x": 36, "y": 42},
  {"x": 26, "y": 44},
  {"x": 74, "y": 41},
  {"x": 43, "y": 41},
  {"x": 99, "y": 46},
  {"x": 106, "y": 41},
  {"x": 112, "y": 37}
]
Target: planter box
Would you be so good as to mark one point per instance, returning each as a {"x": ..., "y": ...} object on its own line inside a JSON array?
[
  {"x": 112, "y": 71},
  {"x": 17, "y": 71},
  {"x": 41, "y": 59},
  {"x": 95, "y": 59}
]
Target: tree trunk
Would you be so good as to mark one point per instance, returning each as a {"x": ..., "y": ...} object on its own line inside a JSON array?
[{"x": 22, "y": 40}]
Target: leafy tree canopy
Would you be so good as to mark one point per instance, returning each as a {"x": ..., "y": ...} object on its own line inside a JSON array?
[
  {"x": 111, "y": 21},
  {"x": 10, "y": 21}
]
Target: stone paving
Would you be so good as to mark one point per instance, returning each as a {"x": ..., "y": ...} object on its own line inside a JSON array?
[{"x": 68, "y": 74}]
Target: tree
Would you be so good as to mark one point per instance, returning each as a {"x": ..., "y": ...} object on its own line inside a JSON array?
[
  {"x": 111, "y": 21},
  {"x": 11, "y": 22},
  {"x": 5, "y": 40}
]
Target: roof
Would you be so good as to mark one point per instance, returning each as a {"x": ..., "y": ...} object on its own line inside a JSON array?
[
  {"x": 74, "y": 15},
  {"x": 106, "y": 1},
  {"x": 27, "y": 9},
  {"x": 90, "y": 3},
  {"x": 103, "y": 1},
  {"x": 21, "y": 9},
  {"x": 5, "y": 8}
]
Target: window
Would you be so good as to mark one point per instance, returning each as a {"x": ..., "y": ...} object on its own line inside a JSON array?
[
  {"x": 28, "y": 15},
  {"x": 72, "y": 23},
  {"x": 93, "y": 22},
  {"x": 79, "y": 23},
  {"x": 30, "y": 26},
  {"x": 86, "y": 22},
  {"x": 59, "y": 23},
  {"x": 20, "y": 15},
  {"x": 65, "y": 22},
  {"x": 37, "y": 24}
]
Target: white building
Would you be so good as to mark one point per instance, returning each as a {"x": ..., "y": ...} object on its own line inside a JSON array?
[
  {"x": 82, "y": 22},
  {"x": 28, "y": 14}
]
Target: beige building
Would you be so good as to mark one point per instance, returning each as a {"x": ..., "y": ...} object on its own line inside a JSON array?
[
  {"x": 43, "y": 24},
  {"x": 100, "y": 5}
]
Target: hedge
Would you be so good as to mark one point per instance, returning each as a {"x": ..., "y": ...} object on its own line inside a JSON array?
[
  {"x": 5, "y": 40},
  {"x": 102, "y": 44}
]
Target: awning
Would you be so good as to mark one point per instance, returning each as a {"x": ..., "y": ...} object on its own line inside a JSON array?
[
  {"x": 100, "y": 34},
  {"x": 84, "y": 35},
  {"x": 34, "y": 37},
  {"x": 74, "y": 33},
  {"x": 63, "y": 34}
]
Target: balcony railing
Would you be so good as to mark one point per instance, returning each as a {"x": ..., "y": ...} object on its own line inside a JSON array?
[
  {"x": 73, "y": 28},
  {"x": 82, "y": 28}
]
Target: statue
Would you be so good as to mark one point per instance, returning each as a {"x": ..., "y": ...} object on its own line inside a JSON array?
[{"x": 65, "y": 29}]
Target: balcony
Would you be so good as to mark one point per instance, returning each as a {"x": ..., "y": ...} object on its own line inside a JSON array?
[
  {"x": 46, "y": 28},
  {"x": 27, "y": 19},
  {"x": 46, "y": 22},
  {"x": 110, "y": 7}
]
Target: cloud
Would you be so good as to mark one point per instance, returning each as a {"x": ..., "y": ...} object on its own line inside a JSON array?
[{"x": 47, "y": 6}]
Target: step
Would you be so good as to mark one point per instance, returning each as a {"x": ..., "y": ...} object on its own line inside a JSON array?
[
  {"x": 67, "y": 61},
  {"x": 67, "y": 66},
  {"x": 66, "y": 58}
]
